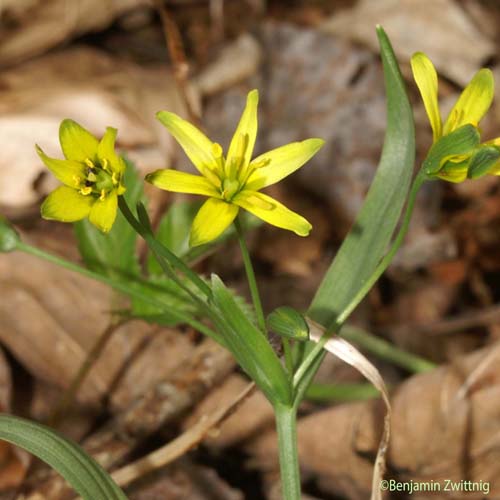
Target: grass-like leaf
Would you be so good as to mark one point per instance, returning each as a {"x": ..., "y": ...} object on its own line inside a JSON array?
[
  {"x": 82, "y": 472},
  {"x": 372, "y": 231}
]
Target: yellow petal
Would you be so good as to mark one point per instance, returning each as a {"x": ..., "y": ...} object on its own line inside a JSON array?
[
  {"x": 69, "y": 172},
  {"x": 195, "y": 143},
  {"x": 243, "y": 141},
  {"x": 213, "y": 218},
  {"x": 103, "y": 212},
  {"x": 281, "y": 162},
  {"x": 182, "y": 182},
  {"x": 107, "y": 154},
  {"x": 66, "y": 205},
  {"x": 77, "y": 143},
  {"x": 425, "y": 77},
  {"x": 273, "y": 212},
  {"x": 473, "y": 103}
]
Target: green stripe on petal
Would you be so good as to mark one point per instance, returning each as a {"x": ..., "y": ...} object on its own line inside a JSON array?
[
  {"x": 213, "y": 218},
  {"x": 281, "y": 162},
  {"x": 426, "y": 79},
  {"x": 273, "y": 212},
  {"x": 103, "y": 212},
  {"x": 107, "y": 154},
  {"x": 473, "y": 103},
  {"x": 69, "y": 172},
  {"x": 196, "y": 145},
  {"x": 182, "y": 182},
  {"x": 66, "y": 205},
  {"x": 243, "y": 141},
  {"x": 77, "y": 143}
]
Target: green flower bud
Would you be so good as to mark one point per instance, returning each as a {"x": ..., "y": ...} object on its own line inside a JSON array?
[
  {"x": 460, "y": 142},
  {"x": 8, "y": 236},
  {"x": 288, "y": 322},
  {"x": 482, "y": 161}
]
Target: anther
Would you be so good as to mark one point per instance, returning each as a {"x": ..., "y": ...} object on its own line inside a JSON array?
[{"x": 89, "y": 163}]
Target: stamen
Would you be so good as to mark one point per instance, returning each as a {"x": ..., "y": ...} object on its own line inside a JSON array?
[
  {"x": 114, "y": 178},
  {"x": 217, "y": 150},
  {"x": 105, "y": 164},
  {"x": 89, "y": 163},
  {"x": 77, "y": 180},
  {"x": 86, "y": 190},
  {"x": 103, "y": 195}
]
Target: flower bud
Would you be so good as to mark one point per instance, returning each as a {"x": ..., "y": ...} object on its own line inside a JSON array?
[
  {"x": 8, "y": 236},
  {"x": 288, "y": 322}
]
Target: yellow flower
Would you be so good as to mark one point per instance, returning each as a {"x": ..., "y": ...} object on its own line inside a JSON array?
[
  {"x": 475, "y": 100},
  {"x": 233, "y": 181},
  {"x": 91, "y": 174}
]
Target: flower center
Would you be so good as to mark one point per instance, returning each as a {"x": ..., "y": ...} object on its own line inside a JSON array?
[
  {"x": 99, "y": 179},
  {"x": 229, "y": 188}
]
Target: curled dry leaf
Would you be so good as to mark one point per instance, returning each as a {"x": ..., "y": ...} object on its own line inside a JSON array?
[
  {"x": 349, "y": 354},
  {"x": 440, "y": 28}
]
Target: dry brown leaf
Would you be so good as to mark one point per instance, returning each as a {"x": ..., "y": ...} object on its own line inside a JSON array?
[
  {"x": 253, "y": 415},
  {"x": 50, "y": 318},
  {"x": 440, "y": 28},
  {"x": 14, "y": 462},
  {"x": 445, "y": 425},
  {"x": 37, "y": 25},
  {"x": 350, "y": 355},
  {"x": 181, "y": 444},
  {"x": 94, "y": 89}
]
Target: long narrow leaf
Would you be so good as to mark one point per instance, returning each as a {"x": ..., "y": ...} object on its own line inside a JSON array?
[
  {"x": 249, "y": 345},
  {"x": 371, "y": 233},
  {"x": 84, "y": 474}
]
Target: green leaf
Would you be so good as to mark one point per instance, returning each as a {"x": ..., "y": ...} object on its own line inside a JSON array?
[
  {"x": 371, "y": 233},
  {"x": 249, "y": 346},
  {"x": 82, "y": 472},
  {"x": 113, "y": 254}
]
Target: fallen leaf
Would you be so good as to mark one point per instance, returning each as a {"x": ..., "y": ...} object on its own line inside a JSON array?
[{"x": 440, "y": 28}]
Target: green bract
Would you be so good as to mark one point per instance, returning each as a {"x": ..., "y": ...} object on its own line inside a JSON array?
[{"x": 91, "y": 174}]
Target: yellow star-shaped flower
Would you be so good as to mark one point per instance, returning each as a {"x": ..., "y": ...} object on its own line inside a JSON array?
[
  {"x": 233, "y": 181},
  {"x": 457, "y": 140},
  {"x": 91, "y": 174}
]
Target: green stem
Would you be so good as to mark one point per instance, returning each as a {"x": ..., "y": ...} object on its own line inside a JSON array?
[
  {"x": 381, "y": 267},
  {"x": 385, "y": 350},
  {"x": 286, "y": 425},
  {"x": 252, "y": 282},
  {"x": 120, "y": 286}
]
